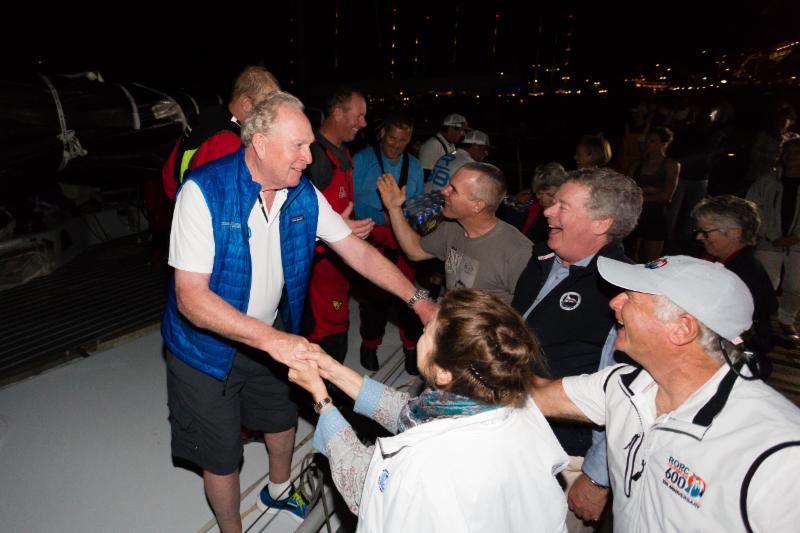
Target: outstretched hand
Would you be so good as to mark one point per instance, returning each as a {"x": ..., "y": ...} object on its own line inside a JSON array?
[
  {"x": 326, "y": 364},
  {"x": 391, "y": 194},
  {"x": 305, "y": 373},
  {"x": 360, "y": 228},
  {"x": 284, "y": 346}
]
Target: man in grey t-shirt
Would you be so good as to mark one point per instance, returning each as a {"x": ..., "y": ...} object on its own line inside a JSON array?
[{"x": 479, "y": 251}]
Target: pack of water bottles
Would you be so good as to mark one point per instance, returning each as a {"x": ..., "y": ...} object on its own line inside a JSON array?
[{"x": 424, "y": 212}]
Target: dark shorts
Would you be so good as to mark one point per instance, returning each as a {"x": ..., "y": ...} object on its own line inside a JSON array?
[{"x": 206, "y": 414}]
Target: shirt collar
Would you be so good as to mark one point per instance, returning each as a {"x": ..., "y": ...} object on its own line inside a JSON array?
[
  {"x": 695, "y": 415},
  {"x": 583, "y": 263},
  {"x": 423, "y": 432}
]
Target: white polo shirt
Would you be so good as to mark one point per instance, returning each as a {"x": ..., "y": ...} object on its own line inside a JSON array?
[
  {"x": 732, "y": 441},
  {"x": 191, "y": 243}
]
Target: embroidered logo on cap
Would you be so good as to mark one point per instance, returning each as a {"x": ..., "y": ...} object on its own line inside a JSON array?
[
  {"x": 569, "y": 301},
  {"x": 656, "y": 263},
  {"x": 336, "y": 304}
]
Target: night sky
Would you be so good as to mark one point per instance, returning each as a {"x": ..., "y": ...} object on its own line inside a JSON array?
[{"x": 172, "y": 46}]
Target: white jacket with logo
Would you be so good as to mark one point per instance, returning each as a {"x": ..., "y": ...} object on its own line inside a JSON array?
[
  {"x": 490, "y": 472},
  {"x": 493, "y": 471},
  {"x": 729, "y": 455}
]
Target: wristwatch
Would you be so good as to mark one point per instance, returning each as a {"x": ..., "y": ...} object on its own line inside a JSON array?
[
  {"x": 421, "y": 294},
  {"x": 322, "y": 403}
]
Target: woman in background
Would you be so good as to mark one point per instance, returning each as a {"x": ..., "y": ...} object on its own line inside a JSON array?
[
  {"x": 592, "y": 151},
  {"x": 657, "y": 175},
  {"x": 727, "y": 226}
]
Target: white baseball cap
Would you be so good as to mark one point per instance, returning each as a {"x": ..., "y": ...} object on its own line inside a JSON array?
[
  {"x": 708, "y": 291},
  {"x": 455, "y": 120},
  {"x": 476, "y": 137}
]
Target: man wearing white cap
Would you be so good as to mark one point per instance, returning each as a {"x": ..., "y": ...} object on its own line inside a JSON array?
[
  {"x": 474, "y": 147},
  {"x": 453, "y": 129},
  {"x": 693, "y": 443}
]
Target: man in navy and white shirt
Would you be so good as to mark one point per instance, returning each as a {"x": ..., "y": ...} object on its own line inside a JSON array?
[
  {"x": 693, "y": 443},
  {"x": 565, "y": 304}
]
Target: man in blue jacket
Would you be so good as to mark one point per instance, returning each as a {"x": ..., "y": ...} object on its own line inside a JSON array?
[
  {"x": 242, "y": 244},
  {"x": 387, "y": 157}
]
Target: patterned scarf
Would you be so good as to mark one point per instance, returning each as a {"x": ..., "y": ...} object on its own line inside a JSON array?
[{"x": 433, "y": 404}]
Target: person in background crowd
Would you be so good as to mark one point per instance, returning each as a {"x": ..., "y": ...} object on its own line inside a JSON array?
[
  {"x": 592, "y": 151},
  {"x": 727, "y": 227},
  {"x": 766, "y": 148},
  {"x": 474, "y": 147},
  {"x": 454, "y": 127},
  {"x": 217, "y": 132},
  {"x": 657, "y": 175},
  {"x": 694, "y": 149},
  {"x": 777, "y": 195},
  {"x": 387, "y": 158},
  {"x": 479, "y": 251},
  {"x": 327, "y": 317},
  {"x": 547, "y": 178}
]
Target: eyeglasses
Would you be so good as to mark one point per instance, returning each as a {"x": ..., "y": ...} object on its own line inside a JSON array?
[{"x": 705, "y": 232}]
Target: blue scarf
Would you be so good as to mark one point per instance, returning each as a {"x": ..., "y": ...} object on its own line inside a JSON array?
[{"x": 433, "y": 404}]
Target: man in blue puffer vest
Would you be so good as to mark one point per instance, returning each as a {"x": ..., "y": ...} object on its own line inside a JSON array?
[{"x": 242, "y": 244}]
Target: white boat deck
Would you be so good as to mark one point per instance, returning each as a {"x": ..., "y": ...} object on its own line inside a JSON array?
[{"x": 86, "y": 447}]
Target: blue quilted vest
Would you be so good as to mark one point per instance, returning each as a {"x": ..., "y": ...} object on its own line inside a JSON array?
[{"x": 230, "y": 194}]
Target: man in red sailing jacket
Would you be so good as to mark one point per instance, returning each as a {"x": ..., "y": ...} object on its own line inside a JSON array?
[
  {"x": 327, "y": 312},
  {"x": 216, "y": 133}
]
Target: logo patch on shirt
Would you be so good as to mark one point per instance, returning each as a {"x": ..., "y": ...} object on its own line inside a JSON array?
[
  {"x": 342, "y": 193},
  {"x": 684, "y": 482},
  {"x": 569, "y": 301},
  {"x": 232, "y": 225},
  {"x": 382, "y": 479},
  {"x": 336, "y": 304},
  {"x": 657, "y": 263},
  {"x": 298, "y": 218}
]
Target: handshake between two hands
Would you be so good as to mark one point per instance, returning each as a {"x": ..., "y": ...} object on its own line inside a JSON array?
[{"x": 309, "y": 367}]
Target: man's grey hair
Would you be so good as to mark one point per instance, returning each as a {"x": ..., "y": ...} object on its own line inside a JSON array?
[
  {"x": 548, "y": 175},
  {"x": 490, "y": 187},
  {"x": 729, "y": 212},
  {"x": 262, "y": 118},
  {"x": 712, "y": 344},
  {"x": 613, "y": 195}
]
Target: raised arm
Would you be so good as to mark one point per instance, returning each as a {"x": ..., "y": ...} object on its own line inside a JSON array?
[{"x": 393, "y": 197}]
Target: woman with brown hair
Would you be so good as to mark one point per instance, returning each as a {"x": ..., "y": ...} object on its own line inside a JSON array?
[
  {"x": 471, "y": 453},
  {"x": 592, "y": 151},
  {"x": 657, "y": 175}
]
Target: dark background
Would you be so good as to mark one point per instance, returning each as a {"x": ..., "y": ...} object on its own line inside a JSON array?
[
  {"x": 470, "y": 48},
  {"x": 193, "y": 46}
]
